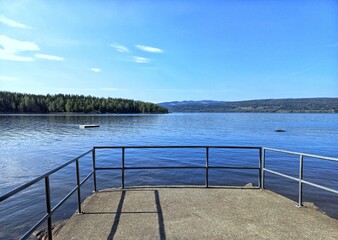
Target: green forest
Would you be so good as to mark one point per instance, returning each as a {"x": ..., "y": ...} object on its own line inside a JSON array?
[{"x": 65, "y": 103}]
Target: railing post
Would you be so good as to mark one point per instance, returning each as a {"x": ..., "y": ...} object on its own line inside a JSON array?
[
  {"x": 207, "y": 167},
  {"x": 122, "y": 177},
  {"x": 78, "y": 183},
  {"x": 262, "y": 166},
  {"x": 48, "y": 206},
  {"x": 300, "y": 188},
  {"x": 94, "y": 169}
]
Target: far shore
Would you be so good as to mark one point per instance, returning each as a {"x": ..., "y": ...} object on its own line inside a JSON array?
[{"x": 96, "y": 113}]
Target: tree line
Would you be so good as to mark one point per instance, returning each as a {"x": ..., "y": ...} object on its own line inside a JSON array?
[{"x": 62, "y": 103}]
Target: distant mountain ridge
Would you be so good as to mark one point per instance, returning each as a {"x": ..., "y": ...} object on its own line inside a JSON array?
[{"x": 287, "y": 105}]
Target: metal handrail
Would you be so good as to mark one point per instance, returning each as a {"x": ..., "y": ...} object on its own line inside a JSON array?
[
  {"x": 301, "y": 169},
  {"x": 123, "y": 168},
  {"x": 181, "y": 146},
  {"x": 304, "y": 154},
  {"x": 261, "y": 174},
  {"x": 49, "y": 209}
]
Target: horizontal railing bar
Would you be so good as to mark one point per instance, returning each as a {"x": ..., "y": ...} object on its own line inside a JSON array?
[
  {"x": 304, "y": 154},
  {"x": 83, "y": 154},
  {"x": 63, "y": 200},
  {"x": 236, "y": 147},
  {"x": 320, "y": 186},
  {"x": 79, "y": 184},
  {"x": 107, "y": 168},
  {"x": 303, "y": 181},
  {"x": 24, "y": 186},
  {"x": 20, "y": 188},
  {"x": 30, "y": 231},
  {"x": 162, "y": 167},
  {"x": 71, "y": 192},
  {"x": 176, "y": 167},
  {"x": 144, "y": 168},
  {"x": 281, "y": 174},
  {"x": 188, "y": 146},
  {"x": 190, "y": 186},
  {"x": 234, "y": 167},
  {"x": 86, "y": 178}
]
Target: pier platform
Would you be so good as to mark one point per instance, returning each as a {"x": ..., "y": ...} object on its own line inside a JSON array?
[{"x": 196, "y": 213}]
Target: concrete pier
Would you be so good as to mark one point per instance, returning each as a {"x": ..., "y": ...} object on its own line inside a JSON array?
[{"x": 196, "y": 213}]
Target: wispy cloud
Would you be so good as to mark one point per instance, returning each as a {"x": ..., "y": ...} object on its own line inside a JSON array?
[
  {"x": 149, "y": 49},
  {"x": 10, "y": 48},
  {"x": 150, "y": 68},
  {"x": 140, "y": 59},
  {"x": 106, "y": 89},
  {"x": 49, "y": 57},
  {"x": 120, "y": 48},
  {"x": 6, "y": 78},
  {"x": 113, "y": 89},
  {"x": 95, "y": 69},
  {"x": 12, "y": 23},
  {"x": 12, "y": 57},
  {"x": 180, "y": 90}
]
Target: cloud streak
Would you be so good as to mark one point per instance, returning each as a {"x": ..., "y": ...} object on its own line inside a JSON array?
[
  {"x": 106, "y": 89},
  {"x": 49, "y": 57},
  {"x": 97, "y": 70},
  {"x": 10, "y": 48},
  {"x": 140, "y": 59},
  {"x": 6, "y": 78},
  {"x": 120, "y": 48},
  {"x": 12, "y": 23},
  {"x": 149, "y": 49}
]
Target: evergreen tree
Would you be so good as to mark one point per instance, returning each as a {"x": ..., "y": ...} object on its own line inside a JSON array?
[{"x": 30, "y": 103}]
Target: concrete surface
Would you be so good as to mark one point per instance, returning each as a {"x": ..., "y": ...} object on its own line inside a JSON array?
[{"x": 196, "y": 213}]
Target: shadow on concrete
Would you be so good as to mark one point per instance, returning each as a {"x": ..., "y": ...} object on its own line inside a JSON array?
[
  {"x": 140, "y": 188},
  {"x": 117, "y": 216},
  {"x": 110, "y": 213},
  {"x": 119, "y": 211},
  {"x": 159, "y": 216}
]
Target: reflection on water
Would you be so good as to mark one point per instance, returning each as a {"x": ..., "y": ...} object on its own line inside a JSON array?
[{"x": 33, "y": 144}]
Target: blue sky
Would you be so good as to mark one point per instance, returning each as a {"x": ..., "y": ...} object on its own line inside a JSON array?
[{"x": 170, "y": 50}]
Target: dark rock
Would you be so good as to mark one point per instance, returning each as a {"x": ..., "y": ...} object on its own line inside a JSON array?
[{"x": 42, "y": 234}]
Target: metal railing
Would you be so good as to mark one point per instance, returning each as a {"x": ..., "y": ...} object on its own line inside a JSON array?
[
  {"x": 207, "y": 166},
  {"x": 300, "y": 179},
  {"x": 49, "y": 209},
  {"x": 261, "y": 169}
]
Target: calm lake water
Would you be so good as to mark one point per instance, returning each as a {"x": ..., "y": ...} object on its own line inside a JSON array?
[{"x": 34, "y": 144}]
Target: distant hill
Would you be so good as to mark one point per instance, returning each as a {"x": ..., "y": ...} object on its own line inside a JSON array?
[{"x": 288, "y": 105}]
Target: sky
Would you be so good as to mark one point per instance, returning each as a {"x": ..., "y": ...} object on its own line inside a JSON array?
[{"x": 170, "y": 50}]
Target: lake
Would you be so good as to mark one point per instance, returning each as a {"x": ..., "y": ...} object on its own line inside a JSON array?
[{"x": 34, "y": 144}]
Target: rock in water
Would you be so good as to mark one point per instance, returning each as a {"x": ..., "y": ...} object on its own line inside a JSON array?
[{"x": 42, "y": 234}]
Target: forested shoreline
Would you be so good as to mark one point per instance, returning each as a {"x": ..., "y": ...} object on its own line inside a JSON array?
[{"x": 11, "y": 102}]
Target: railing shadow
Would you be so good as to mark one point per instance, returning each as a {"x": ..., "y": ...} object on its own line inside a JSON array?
[
  {"x": 119, "y": 212},
  {"x": 160, "y": 219},
  {"x": 117, "y": 216}
]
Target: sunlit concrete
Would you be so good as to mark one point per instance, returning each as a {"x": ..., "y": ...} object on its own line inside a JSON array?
[{"x": 196, "y": 213}]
